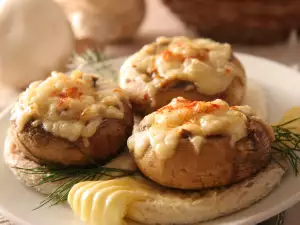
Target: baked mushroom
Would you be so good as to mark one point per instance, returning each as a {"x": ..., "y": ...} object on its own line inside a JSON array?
[
  {"x": 195, "y": 145},
  {"x": 71, "y": 120},
  {"x": 196, "y": 69}
]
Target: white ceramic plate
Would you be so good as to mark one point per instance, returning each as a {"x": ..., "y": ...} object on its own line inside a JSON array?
[{"x": 282, "y": 87}]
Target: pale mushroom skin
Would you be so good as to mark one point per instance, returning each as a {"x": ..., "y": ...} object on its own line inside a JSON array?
[
  {"x": 36, "y": 36},
  {"x": 95, "y": 23}
]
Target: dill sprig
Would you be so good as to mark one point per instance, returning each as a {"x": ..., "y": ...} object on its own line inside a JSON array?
[
  {"x": 287, "y": 143},
  {"x": 93, "y": 61},
  {"x": 68, "y": 177}
]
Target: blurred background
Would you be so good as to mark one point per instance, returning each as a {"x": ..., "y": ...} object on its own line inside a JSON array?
[
  {"x": 265, "y": 28},
  {"x": 37, "y": 36}
]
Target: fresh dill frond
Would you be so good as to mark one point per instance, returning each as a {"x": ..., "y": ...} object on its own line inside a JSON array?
[
  {"x": 287, "y": 143},
  {"x": 68, "y": 177},
  {"x": 93, "y": 61}
]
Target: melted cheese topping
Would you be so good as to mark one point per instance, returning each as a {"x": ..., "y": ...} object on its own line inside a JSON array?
[
  {"x": 68, "y": 106},
  {"x": 205, "y": 63},
  {"x": 182, "y": 118},
  {"x": 106, "y": 202}
]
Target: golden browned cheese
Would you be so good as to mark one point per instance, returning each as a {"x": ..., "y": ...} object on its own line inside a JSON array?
[
  {"x": 71, "y": 120},
  {"x": 197, "y": 69},
  {"x": 195, "y": 145}
]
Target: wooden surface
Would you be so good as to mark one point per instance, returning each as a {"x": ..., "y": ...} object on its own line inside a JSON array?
[{"x": 159, "y": 21}]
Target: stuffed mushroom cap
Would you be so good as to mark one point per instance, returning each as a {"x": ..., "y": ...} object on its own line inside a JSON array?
[
  {"x": 196, "y": 145},
  {"x": 196, "y": 69},
  {"x": 71, "y": 120}
]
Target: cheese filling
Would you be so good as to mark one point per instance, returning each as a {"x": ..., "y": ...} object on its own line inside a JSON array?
[
  {"x": 205, "y": 63},
  {"x": 162, "y": 130},
  {"x": 68, "y": 106}
]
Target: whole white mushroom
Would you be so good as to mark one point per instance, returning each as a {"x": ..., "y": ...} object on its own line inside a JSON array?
[
  {"x": 98, "y": 22},
  {"x": 35, "y": 39}
]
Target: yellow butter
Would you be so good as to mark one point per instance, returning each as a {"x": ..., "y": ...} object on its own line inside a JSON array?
[
  {"x": 106, "y": 202},
  {"x": 289, "y": 115}
]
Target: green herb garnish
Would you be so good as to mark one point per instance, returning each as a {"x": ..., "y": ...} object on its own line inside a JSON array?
[
  {"x": 93, "y": 61},
  {"x": 287, "y": 143},
  {"x": 71, "y": 176}
]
